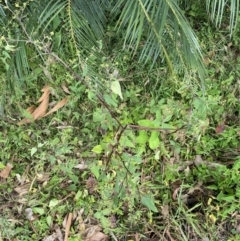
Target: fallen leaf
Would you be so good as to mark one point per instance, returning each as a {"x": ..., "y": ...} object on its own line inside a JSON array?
[
  {"x": 6, "y": 171},
  {"x": 29, "y": 214},
  {"x": 57, "y": 106},
  {"x": 46, "y": 92},
  {"x": 23, "y": 189},
  {"x": 165, "y": 210},
  {"x": 42, "y": 108},
  {"x": 68, "y": 226},
  {"x": 81, "y": 166},
  {"x": 65, "y": 89},
  {"x": 113, "y": 221},
  {"x": 99, "y": 236},
  {"x": 91, "y": 184},
  {"x": 174, "y": 196},
  {"x": 31, "y": 109}
]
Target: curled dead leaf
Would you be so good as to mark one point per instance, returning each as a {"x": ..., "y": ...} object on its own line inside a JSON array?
[
  {"x": 41, "y": 110},
  {"x": 174, "y": 196},
  {"x": 57, "y": 106},
  {"x": 6, "y": 171},
  {"x": 65, "y": 89}
]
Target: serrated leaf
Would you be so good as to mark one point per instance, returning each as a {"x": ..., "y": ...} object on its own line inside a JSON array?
[
  {"x": 97, "y": 149},
  {"x": 149, "y": 203},
  {"x": 116, "y": 88},
  {"x": 154, "y": 141}
]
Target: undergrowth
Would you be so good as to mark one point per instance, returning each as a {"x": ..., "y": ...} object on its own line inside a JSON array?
[{"x": 156, "y": 161}]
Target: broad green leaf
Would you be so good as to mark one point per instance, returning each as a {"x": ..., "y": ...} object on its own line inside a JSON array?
[
  {"x": 168, "y": 118},
  {"x": 97, "y": 149},
  {"x": 110, "y": 100},
  {"x": 49, "y": 220},
  {"x": 40, "y": 211},
  {"x": 116, "y": 88},
  {"x": 146, "y": 123},
  {"x": 168, "y": 126},
  {"x": 154, "y": 141},
  {"x": 95, "y": 171},
  {"x": 149, "y": 203},
  {"x": 223, "y": 197},
  {"x": 142, "y": 137},
  {"x": 127, "y": 142},
  {"x": 2, "y": 165}
]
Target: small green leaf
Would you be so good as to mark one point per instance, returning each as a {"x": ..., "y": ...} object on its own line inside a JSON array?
[
  {"x": 33, "y": 151},
  {"x": 49, "y": 221},
  {"x": 154, "y": 141},
  {"x": 223, "y": 197},
  {"x": 40, "y": 211},
  {"x": 97, "y": 149},
  {"x": 95, "y": 170},
  {"x": 10, "y": 47},
  {"x": 2, "y": 165},
  {"x": 110, "y": 100},
  {"x": 98, "y": 215},
  {"x": 149, "y": 203},
  {"x": 85, "y": 71},
  {"x": 53, "y": 203},
  {"x": 116, "y": 88}
]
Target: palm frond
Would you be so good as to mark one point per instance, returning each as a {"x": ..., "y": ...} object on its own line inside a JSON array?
[
  {"x": 216, "y": 9},
  {"x": 160, "y": 29}
]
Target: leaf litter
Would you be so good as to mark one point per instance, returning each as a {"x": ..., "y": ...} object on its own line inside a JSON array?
[{"x": 41, "y": 110}]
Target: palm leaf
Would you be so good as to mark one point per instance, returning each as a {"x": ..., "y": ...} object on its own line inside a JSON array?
[
  {"x": 217, "y": 8},
  {"x": 160, "y": 29}
]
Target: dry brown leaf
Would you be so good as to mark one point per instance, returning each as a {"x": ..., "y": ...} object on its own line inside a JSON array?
[
  {"x": 42, "y": 108},
  {"x": 68, "y": 226},
  {"x": 31, "y": 109},
  {"x": 57, "y": 106},
  {"x": 6, "y": 171},
  {"x": 23, "y": 189},
  {"x": 174, "y": 196},
  {"x": 165, "y": 210},
  {"x": 46, "y": 92},
  {"x": 91, "y": 184},
  {"x": 99, "y": 236},
  {"x": 113, "y": 221},
  {"x": 65, "y": 89}
]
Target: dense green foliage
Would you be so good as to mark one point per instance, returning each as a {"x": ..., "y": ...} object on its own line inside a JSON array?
[{"x": 147, "y": 146}]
